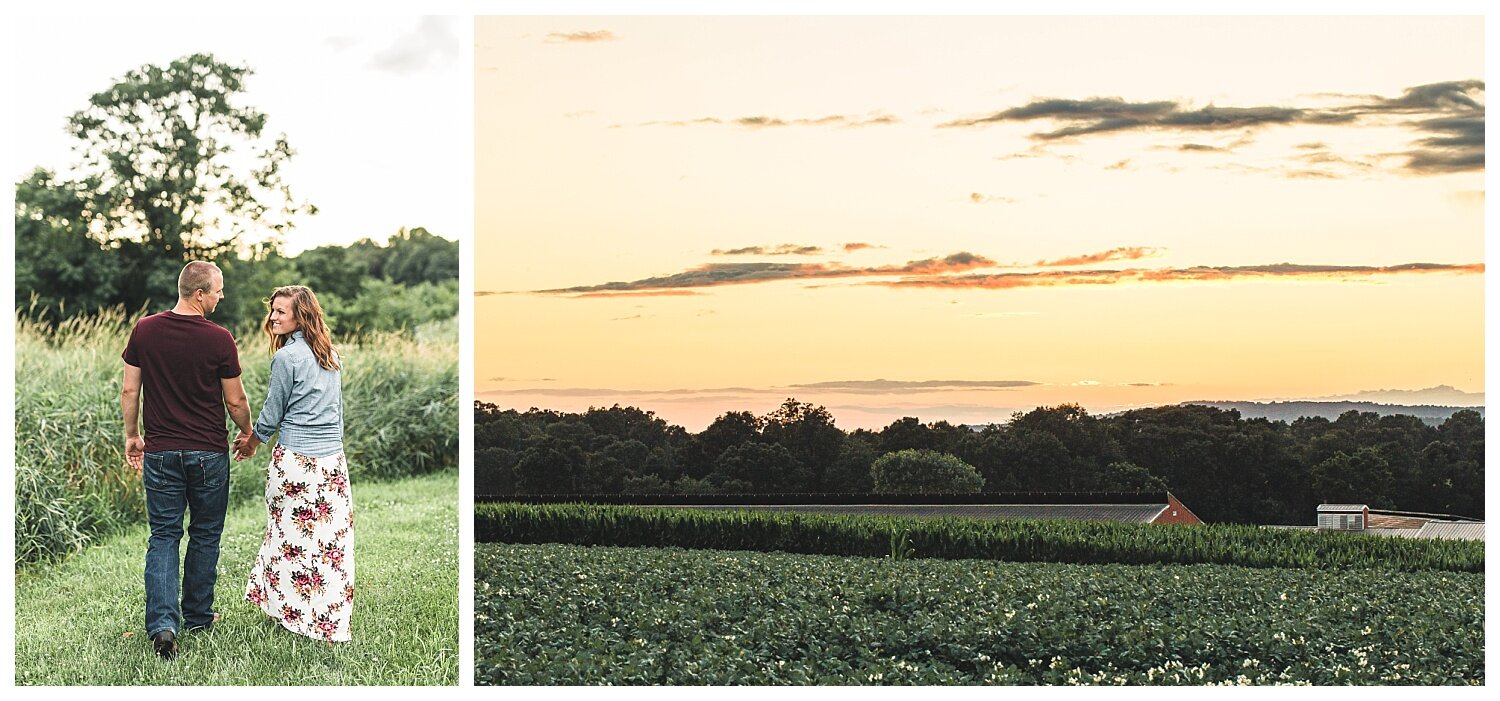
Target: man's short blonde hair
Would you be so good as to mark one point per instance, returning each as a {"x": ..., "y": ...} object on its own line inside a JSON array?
[{"x": 197, "y": 275}]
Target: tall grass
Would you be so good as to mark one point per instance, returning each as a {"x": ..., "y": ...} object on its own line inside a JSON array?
[
  {"x": 72, "y": 483},
  {"x": 1081, "y": 542}
]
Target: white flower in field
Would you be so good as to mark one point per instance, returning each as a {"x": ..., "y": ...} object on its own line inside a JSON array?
[
  {"x": 1009, "y": 615},
  {"x": 1283, "y": 596},
  {"x": 1031, "y": 605},
  {"x": 875, "y": 677},
  {"x": 1367, "y": 630},
  {"x": 582, "y": 577},
  {"x": 614, "y": 621}
]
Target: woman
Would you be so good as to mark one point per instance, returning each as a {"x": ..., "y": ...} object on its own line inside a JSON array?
[{"x": 304, "y": 574}]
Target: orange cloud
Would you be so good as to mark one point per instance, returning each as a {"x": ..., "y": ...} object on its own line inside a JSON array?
[
  {"x": 1056, "y": 278},
  {"x": 1122, "y": 253},
  {"x": 785, "y": 249},
  {"x": 581, "y": 37},
  {"x": 641, "y": 293},
  {"x": 720, "y": 274}
]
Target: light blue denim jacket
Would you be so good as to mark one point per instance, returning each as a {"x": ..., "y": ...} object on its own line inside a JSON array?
[{"x": 304, "y": 401}]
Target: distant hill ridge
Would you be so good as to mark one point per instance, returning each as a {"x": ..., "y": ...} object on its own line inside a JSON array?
[{"x": 1293, "y": 410}]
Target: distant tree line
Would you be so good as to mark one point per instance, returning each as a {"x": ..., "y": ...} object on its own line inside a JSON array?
[
  {"x": 171, "y": 168},
  {"x": 1223, "y": 467}
]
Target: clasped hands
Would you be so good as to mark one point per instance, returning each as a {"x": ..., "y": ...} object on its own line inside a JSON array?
[{"x": 244, "y": 446}]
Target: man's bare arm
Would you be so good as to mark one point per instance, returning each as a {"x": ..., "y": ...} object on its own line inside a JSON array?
[
  {"x": 236, "y": 402},
  {"x": 130, "y": 408}
]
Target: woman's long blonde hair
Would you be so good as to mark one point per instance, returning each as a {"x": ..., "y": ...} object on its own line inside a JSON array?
[{"x": 309, "y": 317}]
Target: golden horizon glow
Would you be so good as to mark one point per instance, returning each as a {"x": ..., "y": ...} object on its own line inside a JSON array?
[{"x": 699, "y": 215}]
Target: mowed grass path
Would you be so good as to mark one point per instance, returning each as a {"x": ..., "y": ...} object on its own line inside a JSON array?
[{"x": 81, "y": 621}]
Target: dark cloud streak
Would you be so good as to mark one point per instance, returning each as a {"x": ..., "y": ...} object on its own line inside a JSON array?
[
  {"x": 1453, "y": 132},
  {"x": 719, "y": 274}
]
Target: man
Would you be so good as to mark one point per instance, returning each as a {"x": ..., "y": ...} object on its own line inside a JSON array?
[{"x": 189, "y": 370}]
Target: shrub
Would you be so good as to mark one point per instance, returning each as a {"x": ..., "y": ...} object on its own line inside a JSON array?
[{"x": 924, "y": 471}]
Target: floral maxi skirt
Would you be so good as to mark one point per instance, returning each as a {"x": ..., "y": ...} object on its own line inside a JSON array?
[{"x": 303, "y": 576}]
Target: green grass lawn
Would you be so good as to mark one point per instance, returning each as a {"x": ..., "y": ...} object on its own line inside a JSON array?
[{"x": 81, "y": 621}]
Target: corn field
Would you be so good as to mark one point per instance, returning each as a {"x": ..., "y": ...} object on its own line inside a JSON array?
[{"x": 954, "y": 538}]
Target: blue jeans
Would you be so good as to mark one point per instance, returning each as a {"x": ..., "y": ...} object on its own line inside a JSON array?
[{"x": 195, "y": 481}]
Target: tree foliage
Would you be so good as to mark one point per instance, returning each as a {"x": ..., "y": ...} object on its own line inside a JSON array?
[
  {"x": 1223, "y": 467},
  {"x": 173, "y": 166},
  {"x": 177, "y": 169},
  {"x": 174, "y": 159},
  {"x": 59, "y": 260},
  {"x": 924, "y": 471}
]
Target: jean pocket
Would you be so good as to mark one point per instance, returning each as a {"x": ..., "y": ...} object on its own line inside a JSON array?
[
  {"x": 213, "y": 468},
  {"x": 151, "y": 471}
]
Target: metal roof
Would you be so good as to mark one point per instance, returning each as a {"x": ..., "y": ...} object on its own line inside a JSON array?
[
  {"x": 1341, "y": 507},
  {"x": 1126, "y": 513},
  {"x": 1438, "y": 530}
]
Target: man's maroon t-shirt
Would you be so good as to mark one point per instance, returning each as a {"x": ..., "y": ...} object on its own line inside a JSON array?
[{"x": 182, "y": 359}]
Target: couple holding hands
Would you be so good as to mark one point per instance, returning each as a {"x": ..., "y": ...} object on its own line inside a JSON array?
[{"x": 188, "y": 367}]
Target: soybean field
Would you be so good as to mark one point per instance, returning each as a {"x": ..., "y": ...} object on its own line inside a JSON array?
[{"x": 568, "y": 614}]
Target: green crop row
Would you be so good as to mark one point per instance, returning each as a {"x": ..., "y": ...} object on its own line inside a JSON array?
[
  {"x": 559, "y": 614},
  {"x": 72, "y": 484},
  {"x": 958, "y": 538}
]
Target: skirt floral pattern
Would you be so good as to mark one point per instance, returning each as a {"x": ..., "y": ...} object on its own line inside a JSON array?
[{"x": 304, "y": 574}]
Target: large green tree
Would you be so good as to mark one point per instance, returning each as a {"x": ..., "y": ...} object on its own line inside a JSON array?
[
  {"x": 177, "y": 169},
  {"x": 808, "y": 434}
]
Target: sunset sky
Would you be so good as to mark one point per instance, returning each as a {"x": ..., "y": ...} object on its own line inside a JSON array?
[
  {"x": 375, "y": 107},
  {"x": 957, "y": 218}
]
